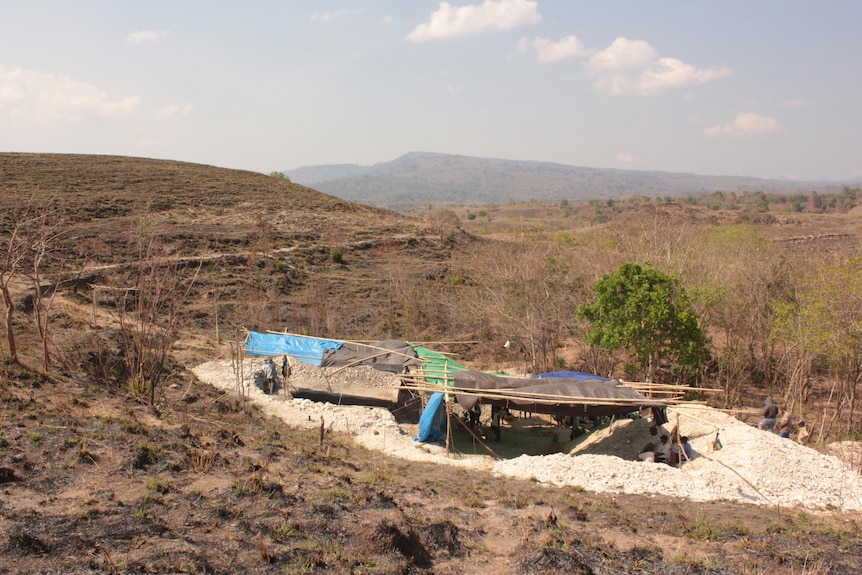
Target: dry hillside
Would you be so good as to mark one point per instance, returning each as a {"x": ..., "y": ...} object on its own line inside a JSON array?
[{"x": 272, "y": 253}]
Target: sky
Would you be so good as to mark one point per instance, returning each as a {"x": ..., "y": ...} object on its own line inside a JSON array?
[{"x": 762, "y": 88}]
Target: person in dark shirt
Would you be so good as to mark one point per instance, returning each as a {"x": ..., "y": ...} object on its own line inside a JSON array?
[{"x": 770, "y": 412}]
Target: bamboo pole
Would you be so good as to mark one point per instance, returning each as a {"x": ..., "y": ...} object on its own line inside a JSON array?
[
  {"x": 515, "y": 392},
  {"x": 479, "y": 439},
  {"x": 538, "y": 399},
  {"x": 448, "y": 423},
  {"x": 702, "y": 420},
  {"x": 343, "y": 342},
  {"x": 475, "y": 341}
]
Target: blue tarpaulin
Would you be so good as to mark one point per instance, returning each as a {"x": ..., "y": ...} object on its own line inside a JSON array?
[
  {"x": 307, "y": 349},
  {"x": 429, "y": 423}
]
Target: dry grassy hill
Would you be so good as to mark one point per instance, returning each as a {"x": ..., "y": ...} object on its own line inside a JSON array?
[{"x": 273, "y": 254}]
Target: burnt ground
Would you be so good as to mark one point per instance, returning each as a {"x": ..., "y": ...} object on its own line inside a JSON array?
[{"x": 94, "y": 481}]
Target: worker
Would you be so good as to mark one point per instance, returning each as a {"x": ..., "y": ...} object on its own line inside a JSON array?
[
  {"x": 770, "y": 412},
  {"x": 270, "y": 376},
  {"x": 496, "y": 419}
]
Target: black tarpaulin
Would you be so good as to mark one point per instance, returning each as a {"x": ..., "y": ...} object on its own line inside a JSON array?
[
  {"x": 554, "y": 396},
  {"x": 390, "y": 355}
]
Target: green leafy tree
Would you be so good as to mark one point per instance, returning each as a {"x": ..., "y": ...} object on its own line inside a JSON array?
[
  {"x": 647, "y": 312},
  {"x": 279, "y": 176}
]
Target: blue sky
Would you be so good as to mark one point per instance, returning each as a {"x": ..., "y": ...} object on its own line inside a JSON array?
[{"x": 766, "y": 88}]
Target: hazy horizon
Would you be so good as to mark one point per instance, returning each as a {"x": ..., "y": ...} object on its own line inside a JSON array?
[{"x": 763, "y": 89}]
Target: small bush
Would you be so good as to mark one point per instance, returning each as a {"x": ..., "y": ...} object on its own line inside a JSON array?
[{"x": 335, "y": 255}]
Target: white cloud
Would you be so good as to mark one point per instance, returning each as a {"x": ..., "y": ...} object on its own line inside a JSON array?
[
  {"x": 746, "y": 124},
  {"x": 794, "y": 103},
  {"x": 387, "y": 20},
  {"x": 548, "y": 51},
  {"x": 453, "y": 89},
  {"x": 333, "y": 15},
  {"x": 451, "y": 21},
  {"x": 48, "y": 98},
  {"x": 671, "y": 72},
  {"x": 142, "y": 36},
  {"x": 616, "y": 84},
  {"x": 174, "y": 109},
  {"x": 167, "y": 111},
  {"x": 624, "y": 60},
  {"x": 624, "y": 54}
]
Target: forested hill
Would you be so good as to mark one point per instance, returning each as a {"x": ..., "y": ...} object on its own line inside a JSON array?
[{"x": 420, "y": 178}]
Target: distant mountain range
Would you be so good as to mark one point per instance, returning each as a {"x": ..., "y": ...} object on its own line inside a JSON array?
[{"x": 418, "y": 179}]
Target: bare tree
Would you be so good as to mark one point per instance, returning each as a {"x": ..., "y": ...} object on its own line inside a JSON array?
[
  {"x": 148, "y": 303},
  {"x": 526, "y": 291},
  {"x": 28, "y": 234},
  {"x": 15, "y": 251},
  {"x": 47, "y": 230},
  {"x": 445, "y": 223}
]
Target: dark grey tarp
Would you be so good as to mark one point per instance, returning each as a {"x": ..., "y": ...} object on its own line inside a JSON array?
[
  {"x": 401, "y": 354},
  {"x": 554, "y": 396}
]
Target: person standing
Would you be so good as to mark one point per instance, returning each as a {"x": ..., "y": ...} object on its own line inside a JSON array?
[
  {"x": 496, "y": 420},
  {"x": 804, "y": 432},
  {"x": 269, "y": 372},
  {"x": 770, "y": 412},
  {"x": 785, "y": 427}
]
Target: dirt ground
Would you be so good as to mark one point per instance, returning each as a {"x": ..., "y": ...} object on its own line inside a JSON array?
[{"x": 94, "y": 481}]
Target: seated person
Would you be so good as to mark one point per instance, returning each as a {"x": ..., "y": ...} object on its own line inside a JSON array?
[
  {"x": 677, "y": 456},
  {"x": 647, "y": 454},
  {"x": 472, "y": 417},
  {"x": 686, "y": 448}
]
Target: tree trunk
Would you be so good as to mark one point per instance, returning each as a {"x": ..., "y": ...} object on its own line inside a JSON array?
[{"x": 10, "y": 333}]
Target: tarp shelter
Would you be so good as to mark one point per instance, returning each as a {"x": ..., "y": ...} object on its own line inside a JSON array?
[
  {"x": 390, "y": 355},
  {"x": 433, "y": 420},
  {"x": 550, "y": 395},
  {"x": 307, "y": 349},
  {"x": 437, "y": 368}
]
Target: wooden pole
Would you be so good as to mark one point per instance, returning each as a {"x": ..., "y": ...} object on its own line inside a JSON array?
[
  {"x": 702, "y": 420},
  {"x": 343, "y": 341},
  {"x": 538, "y": 397},
  {"x": 448, "y": 421},
  {"x": 479, "y": 439},
  {"x": 322, "y": 430}
]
